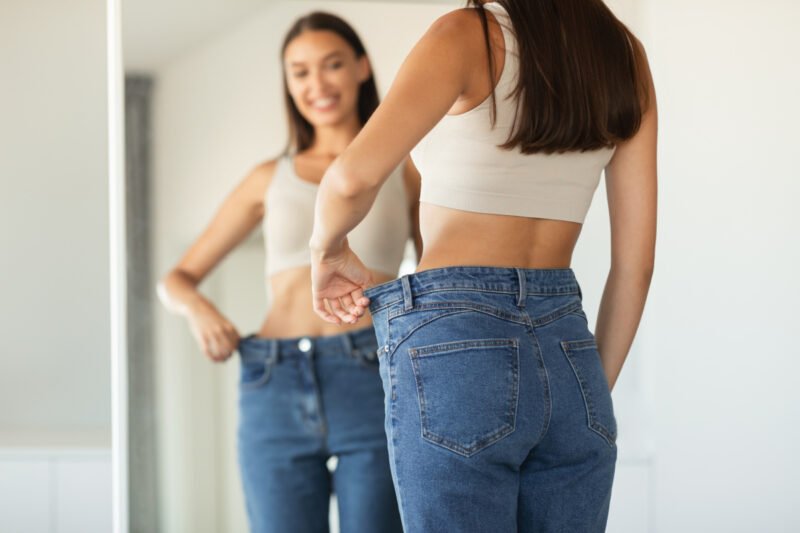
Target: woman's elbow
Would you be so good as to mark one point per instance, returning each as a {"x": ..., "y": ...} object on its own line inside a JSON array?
[{"x": 345, "y": 181}]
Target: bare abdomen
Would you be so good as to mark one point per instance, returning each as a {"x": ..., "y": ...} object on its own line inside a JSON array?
[{"x": 452, "y": 237}]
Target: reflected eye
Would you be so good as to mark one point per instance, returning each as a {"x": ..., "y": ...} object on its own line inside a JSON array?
[
  {"x": 299, "y": 74},
  {"x": 335, "y": 65}
]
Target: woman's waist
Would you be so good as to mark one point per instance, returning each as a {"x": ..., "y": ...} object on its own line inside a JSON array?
[
  {"x": 299, "y": 320},
  {"x": 453, "y": 237},
  {"x": 502, "y": 251},
  {"x": 475, "y": 284},
  {"x": 350, "y": 340}
]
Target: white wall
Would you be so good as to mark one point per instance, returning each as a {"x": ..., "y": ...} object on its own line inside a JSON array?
[
  {"x": 54, "y": 295},
  {"x": 722, "y": 317},
  {"x": 55, "y": 468},
  {"x": 52, "y": 490}
]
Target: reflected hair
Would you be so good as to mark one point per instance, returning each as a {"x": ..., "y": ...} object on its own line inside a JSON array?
[
  {"x": 583, "y": 82},
  {"x": 301, "y": 131}
]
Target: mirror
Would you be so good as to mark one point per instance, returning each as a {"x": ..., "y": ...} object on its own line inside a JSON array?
[{"x": 203, "y": 106}]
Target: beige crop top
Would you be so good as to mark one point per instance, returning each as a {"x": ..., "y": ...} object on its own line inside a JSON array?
[
  {"x": 463, "y": 168},
  {"x": 379, "y": 240}
]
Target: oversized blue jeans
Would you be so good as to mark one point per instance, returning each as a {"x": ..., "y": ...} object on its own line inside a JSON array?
[
  {"x": 498, "y": 413},
  {"x": 302, "y": 401}
]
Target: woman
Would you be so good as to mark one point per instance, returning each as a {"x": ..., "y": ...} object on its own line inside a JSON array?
[
  {"x": 309, "y": 390},
  {"x": 498, "y": 406}
]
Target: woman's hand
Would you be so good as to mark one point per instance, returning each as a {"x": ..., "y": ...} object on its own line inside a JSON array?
[
  {"x": 338, "y": 280},
  {"x": 217, "y": 337}
]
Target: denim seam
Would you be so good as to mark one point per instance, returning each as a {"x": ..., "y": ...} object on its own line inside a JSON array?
[
  {"x": 486, "y": 440},
  {"x": 531, "y": 291},
  {"x": 555, "y": 315},
  {"x": 384, "y": 306},
  {"x": 392, "y": 439},
  {"x": 394, "y": 345},
  {"x": 392, "y": 375},
  {"x": 469, "y": 306},
  {"x": 311, "y": 386},
  {"x": 568, "y": 347},
  {"x": 268, "y": 364},
  {"x": 443, "y": 348},
  {"x": 452, "y": 288},
  {"x": 544, "y": 377}
]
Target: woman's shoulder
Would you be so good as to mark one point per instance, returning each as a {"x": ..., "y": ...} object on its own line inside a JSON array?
[
  {"x": 454, "y": 23},
  {"x": 265, "y": 170},
  {"x": 260, "y": 177},
  {"x": 460, "y": 30}
]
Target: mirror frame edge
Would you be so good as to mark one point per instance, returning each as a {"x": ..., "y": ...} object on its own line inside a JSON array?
[{"x": 117, "y": 269}]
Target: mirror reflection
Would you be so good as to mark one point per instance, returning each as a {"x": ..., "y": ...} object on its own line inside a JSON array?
[{"x": 248, "y": 410}]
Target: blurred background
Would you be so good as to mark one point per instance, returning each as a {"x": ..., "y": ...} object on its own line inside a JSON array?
[{"x": 706, "y": 404}]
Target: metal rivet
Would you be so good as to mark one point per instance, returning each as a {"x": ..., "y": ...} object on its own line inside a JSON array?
[{"x": 304, "y": 344}]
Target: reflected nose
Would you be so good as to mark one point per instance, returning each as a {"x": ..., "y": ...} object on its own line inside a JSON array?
[{"x": 318, "y": 83}]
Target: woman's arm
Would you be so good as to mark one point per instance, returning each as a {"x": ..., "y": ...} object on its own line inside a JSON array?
[
  {"x": 631, "y": 185},
  {"x": 178, "y": 290},
  {"x": 429, "y": 82}
]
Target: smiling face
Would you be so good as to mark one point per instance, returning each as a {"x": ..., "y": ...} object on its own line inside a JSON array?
[{"x": 323, "y": 76}]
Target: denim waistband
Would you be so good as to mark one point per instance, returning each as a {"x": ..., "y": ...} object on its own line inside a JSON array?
[
  {"x": 520, "y": 281},
  {"x": 349, "y": 342}
]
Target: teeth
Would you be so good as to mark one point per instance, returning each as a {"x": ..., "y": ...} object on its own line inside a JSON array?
[{"x": 323, "y": 102}]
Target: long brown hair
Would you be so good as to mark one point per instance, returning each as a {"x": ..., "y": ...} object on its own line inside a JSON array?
[
  {"x": 301, "y": 131},
  {"x": 582, "y": 83}
]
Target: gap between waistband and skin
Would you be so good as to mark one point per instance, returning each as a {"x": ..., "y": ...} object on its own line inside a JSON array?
[
  {"x": 534, "y": 281},
  {"x": 322, "y": 344}
]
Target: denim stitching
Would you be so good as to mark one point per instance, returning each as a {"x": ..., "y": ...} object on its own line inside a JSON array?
[
  {"x": 432, "y": 350},
  {"x": 486, "y": 309},
  {"x": 393, "y": 346},
  {"x": 531, "y": 291},
  {"x": 384, "y": 306},
  {"x": 392, "y": 439},
  {"x": 498, "y": 289},
  {"x": 267, "y": 364},
  {"x": 555, "y": 315},
  {"x": 544, "y": 377},
  {"x": 415, "y": 354},
  {"x": 568, "y": 347},
  {"x": 392, "y": 375}
]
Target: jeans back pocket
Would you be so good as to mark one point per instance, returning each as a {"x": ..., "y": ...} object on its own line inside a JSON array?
[
  {"x": 467, "y": 392},
  {"x": 585, "y": 361}
]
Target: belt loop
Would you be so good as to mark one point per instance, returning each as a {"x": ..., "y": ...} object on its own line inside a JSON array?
[
  {"x": 274, "y": 350},
  {"x": 347, "y": 343},
  {"x": 408, "y": 302},
  {"x": 523, "y": 290}
]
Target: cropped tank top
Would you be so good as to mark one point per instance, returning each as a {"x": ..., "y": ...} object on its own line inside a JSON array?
[
  {"x": 379, "y": 240},
  {"x": 464, "y": 168}
]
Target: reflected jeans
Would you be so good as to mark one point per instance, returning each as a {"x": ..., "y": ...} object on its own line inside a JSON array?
[
  {"x": 498, "y": 412},
  {"x": 302, "y": 401}
]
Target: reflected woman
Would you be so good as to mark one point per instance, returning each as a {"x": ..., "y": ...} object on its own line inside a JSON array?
[
  {"x": 309, "y": 389},
  {"x": 499, "y": 412}
]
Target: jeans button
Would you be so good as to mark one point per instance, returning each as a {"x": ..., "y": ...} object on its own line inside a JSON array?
[{"x": 304, "y": 344}]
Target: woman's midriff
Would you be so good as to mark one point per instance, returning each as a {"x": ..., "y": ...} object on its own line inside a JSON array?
[
  {"x": 452, "y": 237},
  {"x": 291, "y": 313}
]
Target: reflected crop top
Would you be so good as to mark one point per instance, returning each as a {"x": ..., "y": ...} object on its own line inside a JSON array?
[
  {"x": 463, "y": 167},
  {"x": 379, "y": 240}
]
